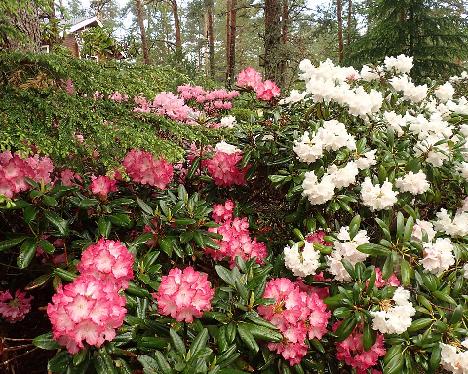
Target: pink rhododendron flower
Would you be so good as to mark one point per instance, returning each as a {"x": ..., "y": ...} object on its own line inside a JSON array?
[
  {"x": 143, "y": 105},
  {"x": 102, "y": 186},
  {"x": 143, "y": 168},
  {"x": 118, "y": 97},
  {"x": 236, "y": 237},
  {"x": 380, "y": 282},
  {"x": 184, "y": 294},
  {"x": 14, "y": 170},
  {"x": 168, "y": 104},
  {"x": 318, "y": 237},
  {"x": 69, "y": 177},
  {"x": 88, "y": 310},
  {"x": 210, "y": 101},
  {"x": 14, "y": 309},
  {"x": 108, "y": 260},
  {"x": 267, "y": 90},
  {"x": 223, "y": 168},
  {"x": 351, "y": 350},
  {"x": 298, "y": 315},
  {"x": 249, "y": 78}
]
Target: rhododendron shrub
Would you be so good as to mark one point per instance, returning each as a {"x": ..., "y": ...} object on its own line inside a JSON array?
[{"x": 345, "y": 250}]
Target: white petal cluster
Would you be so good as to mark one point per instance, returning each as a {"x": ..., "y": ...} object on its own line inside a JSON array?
[
  {"x": 410, "y": 91},
  {"x": 367, "y": 160},
  {"x": 465, "y": 271},
  {"x": 458, "y": 226},
  {"x": 445, "y": 92},
  {"x": 302, "y": 262},
  {"x": 331, "y": 136},
  {"x": 345, "y": 176},
  {"x": 395, "y": 121},
  {"x": 453, "y": 360},
  {"x": 377, "y": 197},
  {"x": 368, "y": 74},
  {"x": 463, "y": 170},
  {"x": 401, "y": 63},
  {"x": 308, "y": 150},
  {"x": 345, "y": 248},
  {"x": 438, "y": 256},
  {"x": 228, "y": 121},
  {"x": 459, "y": 107},
  {"x": 436, "y": 155},
  {"x": 226, "y": 148},
  {"x": 318, "y": 192},
  {"x": 397, "y": 319},
  {"x": 413, "y": 183},
  {"x": 294, "y": 97},
  {"x": 328, "y": 82},
  {"x": 423, "y": 227}
]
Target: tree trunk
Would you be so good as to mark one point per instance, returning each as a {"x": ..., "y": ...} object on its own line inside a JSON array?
[
  {"x": 26, "y": 35},
  {"x": 178, "y": 39},
  {"x": 231, "y": 45},
  {"x": 272, "y": 42},
  {"x": 339, "y": 18},
  {"x": 349, "y": 25},
  {"x": 144, "y": 42},
  {"x": 284, "y": 40},
  {"x": 209, "y": 35}
]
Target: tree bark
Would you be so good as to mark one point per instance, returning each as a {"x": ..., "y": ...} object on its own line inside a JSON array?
[
  {"x": 284, "y": 40},
  {"x": 178, "y": 39},
  {"x": 25, "y": 23},
  {"x": 339, "y": 18},
  {"x": 144, "y": 42},
  {"x": 209, "y": 35},
  {"x": 349, "y": 25},
  {"x": 231, "y": 52},
  {"x": 272, "y": 42}
]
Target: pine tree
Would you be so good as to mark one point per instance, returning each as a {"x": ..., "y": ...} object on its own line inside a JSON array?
[{"x": 430, "y": 31}]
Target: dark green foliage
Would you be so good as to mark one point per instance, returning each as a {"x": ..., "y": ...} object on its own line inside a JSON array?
[
  {"x": 37, "y": 113},
  {"x": 431, "y": 31}
]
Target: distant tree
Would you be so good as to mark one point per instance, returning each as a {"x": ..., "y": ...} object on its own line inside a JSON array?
[
  {"x": 231, "y": 31},
  {"x": 178, "y": 39},
  {"x": 209, "y": 36},
  {"x": 339, "y": 20},
  {"x": 433, "y": 32},
  {"x": 141, "y": 26},
  {"x": 273, "y": 29}
]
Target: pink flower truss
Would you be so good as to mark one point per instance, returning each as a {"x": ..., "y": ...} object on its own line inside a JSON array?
[
  {"x": 169, "y": 105},
  {"x": 184, "y": 294},
  {"x": 351, "y": 350},
  {"x": 223, "y": 212},
  {"x": 14, "y": 170},
  {"x": 236, "y": 237},
  {"x": 69, "y": 177},
  {"x": 118, "y": 97},
  {"x": 143, "y": 105},
  {"x": 249, "y": 78},
  {"x": 102, "y": 186},
  {"x": 222, "y": 167},
  {"x": 14, "y": 309},
  {"x": 380, "y": 282},
  {"x": 210, "y": 101},
  {"x": 109, "y": 261},
  {"x": 318, "y": 237},
  {"x": 297, "y": 314},
  {"x": 88, "y": 310},
  {"x": 267, "y": 90},
  {"x": 142, "y": 167}
]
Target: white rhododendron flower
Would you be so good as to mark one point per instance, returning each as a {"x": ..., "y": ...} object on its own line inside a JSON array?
[
  {"x": 397, "y": 318},
  {"x": 395, "y": 121},
  {"x": 294, "y": 97},
  {"x": 453, "y": 360},
  {"x": 367, "y": 160},
  {"x": 413, "y": 183},
  {"x": 345, "y": 248},
  {"x": 410, "y": 91},
  {"x": 463, "y": 170},
  {"x": 423, "y": 227},
  {"x": 456, "y": 226},
  {"x": 308, "y": 150},
  {"x": 345, "y": 176},
  {"x": 435, "y": 154},
  {"x": 438, "y": 256},
  {"x": 401, "y": 63},
  {"x": 368, "y": 74},
  {"x": 226, "y": 148},
  {"x": 445, "y": 92},
  {"x": 318, "y": 192},
  {"x": 302, "y": 262},
  {"x": 228, "y": 121},
  {"x": 334, "y": 136},
  {"x": 377, "y": 197},
  {"x": 465, "y": 271}
]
